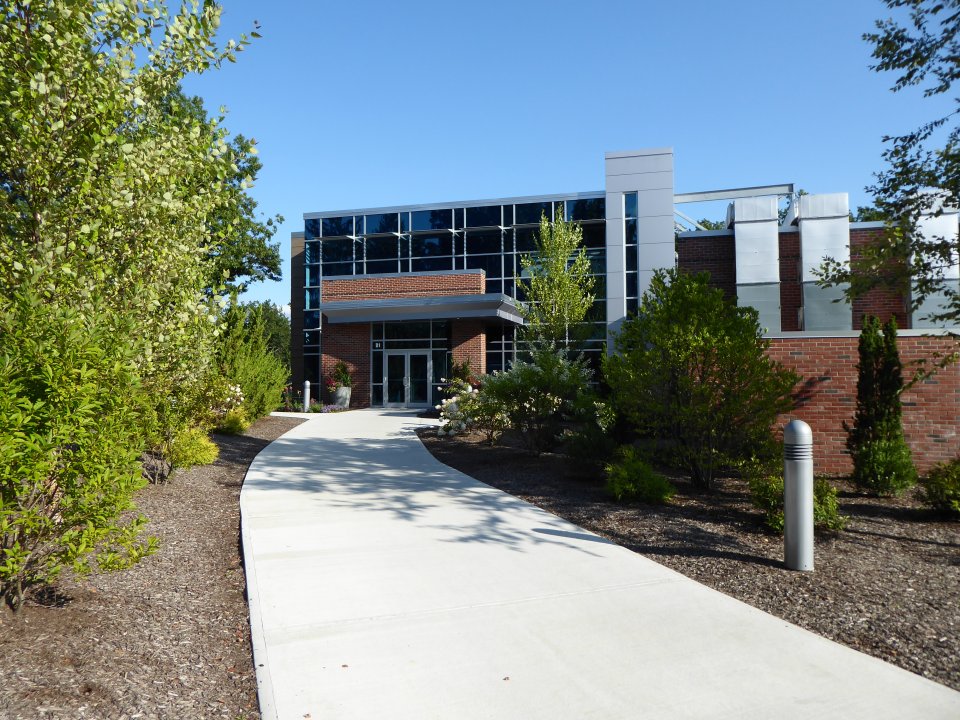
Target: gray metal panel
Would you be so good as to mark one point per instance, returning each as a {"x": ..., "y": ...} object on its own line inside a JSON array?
[
  {"x": 825, "y": 308},
  {"x": 932, "y": 305},
  {"x": 766, "y": 299},
  {"x": 733, "y": 194}
]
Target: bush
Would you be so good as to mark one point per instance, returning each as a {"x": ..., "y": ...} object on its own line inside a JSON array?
[
  {"x": 691, "y": 372},
  {"x": 71, "y": 408},
  {"x": 535, "y": 398},
  {"x": 591, "y": 440},
  {"x": 192, "y": 447},
  {"x": 941, "y": 489},
  {"x": 766, "y": 492},
  {"x": 881, "y": 457},
  {"x": 630, "y": 479},
  {"x": 244, "y": 357},
  {"x": 317, "y": 407},
  {"x": 341, "y": 374},
  {"x": 234, "y": 422}
]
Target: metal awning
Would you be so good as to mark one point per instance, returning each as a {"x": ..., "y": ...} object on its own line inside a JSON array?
[{"x": 491, "y": 306}]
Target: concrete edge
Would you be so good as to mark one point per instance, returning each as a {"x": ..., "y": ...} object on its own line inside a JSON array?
[{"x": 261, "y": 662}]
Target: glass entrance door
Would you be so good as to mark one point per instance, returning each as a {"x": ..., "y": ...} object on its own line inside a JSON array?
[{"x": 407, "y": 379}]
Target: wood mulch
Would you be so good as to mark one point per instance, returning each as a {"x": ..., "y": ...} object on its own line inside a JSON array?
[
  {"x": 169, "y": 638},
  {"x": 889, "y": 585}
]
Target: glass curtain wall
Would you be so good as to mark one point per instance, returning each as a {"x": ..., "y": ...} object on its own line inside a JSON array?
[{"x": 491, "y": 238}]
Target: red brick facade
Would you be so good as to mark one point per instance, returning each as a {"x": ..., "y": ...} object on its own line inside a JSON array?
[
  {"x": 712, "y": 253},
  {"x": 791, "y": 290},
  {"x": 350, "y": 342},
  {"x": 826, "y": 397},
  {"x": 373, "y": 287},
  {"x": 884, "y": 304}
]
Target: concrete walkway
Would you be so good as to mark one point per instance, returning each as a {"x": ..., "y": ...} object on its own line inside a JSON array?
[{"x": 384, "y": 584}]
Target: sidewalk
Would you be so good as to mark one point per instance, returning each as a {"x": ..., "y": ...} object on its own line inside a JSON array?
[{"x": 384, "y": 584}]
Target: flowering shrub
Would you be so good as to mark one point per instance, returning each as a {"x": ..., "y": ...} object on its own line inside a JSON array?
[{"x": 453, "y": 416}]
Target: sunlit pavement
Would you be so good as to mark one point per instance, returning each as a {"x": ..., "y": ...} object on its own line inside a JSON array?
[{"x": 384, "y": 584}]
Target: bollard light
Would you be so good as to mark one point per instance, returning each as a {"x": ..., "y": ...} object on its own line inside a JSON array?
[
  {"x": 306, "y": 396},
  {"x": 798, "y": 496}
]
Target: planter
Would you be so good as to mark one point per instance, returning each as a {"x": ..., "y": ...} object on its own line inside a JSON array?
[{"x": 341, "y": 397}]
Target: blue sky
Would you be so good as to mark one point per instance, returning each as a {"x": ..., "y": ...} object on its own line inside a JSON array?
[{"x": 361, "y": 104}]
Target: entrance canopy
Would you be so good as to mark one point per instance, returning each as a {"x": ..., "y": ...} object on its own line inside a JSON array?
[{"x": 450, "y": 307}]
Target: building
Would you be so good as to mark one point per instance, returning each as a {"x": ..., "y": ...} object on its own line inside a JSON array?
[{"x": 399, "y": 293}]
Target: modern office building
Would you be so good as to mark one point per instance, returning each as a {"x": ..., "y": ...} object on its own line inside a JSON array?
[{"x": 399, "y": 293}]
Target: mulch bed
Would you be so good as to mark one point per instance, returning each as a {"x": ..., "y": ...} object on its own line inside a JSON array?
[
  {"x": 889, "y": 585},
  {"x": 169, "y": 638}
]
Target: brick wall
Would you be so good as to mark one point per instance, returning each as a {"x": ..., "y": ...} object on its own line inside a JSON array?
[
  {"x": 349, "y": 342},
  {"x": 392, "y": 286},
  {"x": 880, "y": 302},
  {"x": 791, "y": 291},
  {"x": 712, "y": 253},
  {"x": 826, "y": 397},
  {"x": 468, "y": 341}
]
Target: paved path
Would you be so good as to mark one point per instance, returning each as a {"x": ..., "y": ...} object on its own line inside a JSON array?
[{"x": 384, "y": 584}]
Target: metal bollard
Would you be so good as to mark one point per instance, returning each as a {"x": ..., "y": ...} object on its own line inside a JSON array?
[
  {"x": 306, "y": 396},
  {"x": 798, "y": 496}
]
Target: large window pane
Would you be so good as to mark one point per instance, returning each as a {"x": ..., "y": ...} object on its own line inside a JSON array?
[
  {"x": 592, "y": 209},
  {"x": 407, "y": 330},
  {"x": 385, "y": 223},
  {"x": 311, "y": 229},
  {"x": 335, "y": 269},
  {"x": 338, "y": 226},
  {"x": 594, "y": 235},
  {"x": 312, "y": 298},
  {"x": 432, "y": 264},
  {"x": 479, "y": 243},
  {"x": 337, "y": 250},
  {"x": 488, "y": 263},
  {"x": 381, "y": 267},
  {"x": 313, "y": 275},
  {"x": 483, "y": 216},
  {"x": 630, "y": 205},
  {"x": 431, "y": 245},
  {"x": 311, "y": 319},
  {"x": 529, "y": 213},
  {"x": 311, "y": 252},
  {"x": 381, "y": 248},
  {"x": 630, "y": 232},
  {"x": 432, "y": 220},
  {"x": 526, "y": 239},
  {"x": 632, "y": 258}
]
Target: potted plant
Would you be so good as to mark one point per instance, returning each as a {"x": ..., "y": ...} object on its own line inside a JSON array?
[{"x": 339, "y": 384}]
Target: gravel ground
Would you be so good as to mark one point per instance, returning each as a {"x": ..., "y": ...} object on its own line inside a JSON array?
[
  {"x": 169, "y": 638},
  {"x": 888, "y": 586}
]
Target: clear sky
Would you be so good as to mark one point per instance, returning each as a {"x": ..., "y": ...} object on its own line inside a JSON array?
[{"x": 363, "y": 104}]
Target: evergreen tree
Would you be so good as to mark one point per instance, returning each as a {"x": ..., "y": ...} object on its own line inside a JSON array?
[{"x": 880, "y": 454}]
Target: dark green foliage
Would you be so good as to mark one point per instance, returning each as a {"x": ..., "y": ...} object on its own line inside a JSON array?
[
  {"x": 881, "y": 457},
  {"x": 691, "y": 372},
  {"x": 535, "y": 398},
  {"x": 276, "y": 327},
  {"x": 941, "y": 489},
  {"x": 341, "y": 374},
  {"x": 766, "y": 492},
  {"x": 592, "y": 439},
  {"x": 71, "y": 417},
  {"x": 245, "y": 359},
  {"x": 630, "y": 479}
]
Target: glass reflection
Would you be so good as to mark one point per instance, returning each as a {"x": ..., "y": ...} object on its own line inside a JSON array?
[
  {"x": 484, "y": 216},
  {"x": 432, "y": 220},
  {"x": 384, "y": 223},
  {"x": 338, "y": 226}
]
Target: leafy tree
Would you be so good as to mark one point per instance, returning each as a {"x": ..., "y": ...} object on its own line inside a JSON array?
[
  {"x": 881, "y": 457},
  {"x": 558, "y": 286},
  {"x": 244, "y": 358},
  {"x": 712, "y": 224},
  {"x": 690, "y": 370},
  {"x": 923, "y": 166},
  {"x": 108, "y": 185},
  {"x": 276, "y": 328}
]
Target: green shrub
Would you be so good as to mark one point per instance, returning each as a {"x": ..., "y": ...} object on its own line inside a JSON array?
[
  {"x": 234, "y": 422},
  {"x": 941, "y": 488},
  {"x": 535, "y": 398},
  {"x": 192, "y": 447},
  {"x": 630, "y": 479},
  {"x": 316, "y": 407},
  {"x": 881, "y": 457},
  {"x": 591, "y": 440},
  {"x": 766, "y": 492},
  {"x": 71, "y": 408},
  {"x": 341, "y": 374},
  {"x": 691, "y": 372},
  {"x": 244, "y": 357}
]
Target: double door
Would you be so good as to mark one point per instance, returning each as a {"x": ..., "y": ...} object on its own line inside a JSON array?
[{"x": 407, "y": 379}]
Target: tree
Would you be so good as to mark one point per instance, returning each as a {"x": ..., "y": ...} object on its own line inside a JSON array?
[
  {"x": 108, "y": 183},
  {"x": 881, "y": 457},
  {"x": 276, "y": 328},
  {"x": 557, "y": 285},
  {"x": 690, "y": 371},
  {"x": 923, "y": 166}
]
